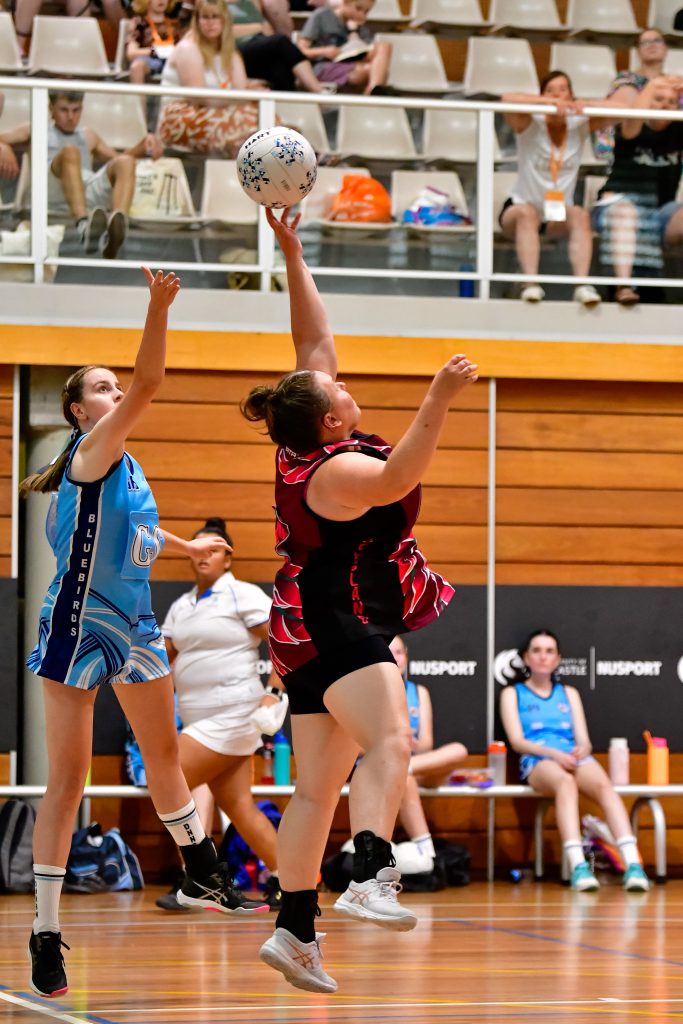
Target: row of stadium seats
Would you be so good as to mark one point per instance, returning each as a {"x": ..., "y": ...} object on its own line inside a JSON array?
[{"x": 71, "y": 46}]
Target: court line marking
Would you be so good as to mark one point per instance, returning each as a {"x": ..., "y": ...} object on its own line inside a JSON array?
[
  {"x": 644, "y": 957},
  {"x": 603, "y": 1002},
  {"x": 38, "y": 1005}
]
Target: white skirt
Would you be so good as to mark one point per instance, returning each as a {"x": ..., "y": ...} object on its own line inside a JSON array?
[{"x": 225, "y": 730}]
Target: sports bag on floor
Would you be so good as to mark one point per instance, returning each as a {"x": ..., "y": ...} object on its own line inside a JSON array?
[{"x": 17, "y": 819}]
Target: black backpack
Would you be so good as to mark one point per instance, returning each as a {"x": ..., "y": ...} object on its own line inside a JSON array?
[
  {"x": 16, "y": 846},
  {"x": 451, "y": 867}
]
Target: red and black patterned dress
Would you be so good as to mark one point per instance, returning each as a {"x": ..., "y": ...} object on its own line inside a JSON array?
[{"x": 346, "y": 588}]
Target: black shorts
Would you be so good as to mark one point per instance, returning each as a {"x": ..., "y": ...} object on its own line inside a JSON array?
[{"x": 306, "y": 686}]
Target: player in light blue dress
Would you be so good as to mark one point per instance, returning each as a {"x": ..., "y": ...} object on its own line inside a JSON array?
[
  {"x": 97, "y": 627},
  {"x": 546, "y": 725}
]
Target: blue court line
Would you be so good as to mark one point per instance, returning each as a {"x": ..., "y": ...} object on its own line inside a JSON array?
[
  {"x": 31, "y": 997},
  {"x": 566, "y": 942}
]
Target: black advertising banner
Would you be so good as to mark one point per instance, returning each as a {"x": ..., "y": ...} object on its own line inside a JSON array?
[
  {"x": 449, "y": 658},
  {"x": 622, "y": 649},
  {"x": 8, "y": 664}
]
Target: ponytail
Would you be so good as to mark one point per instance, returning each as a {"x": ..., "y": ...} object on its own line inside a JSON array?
[{"x": 50, "y": 477}]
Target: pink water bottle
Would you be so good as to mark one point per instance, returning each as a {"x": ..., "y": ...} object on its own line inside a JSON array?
[{"x": 618, "y": 759}]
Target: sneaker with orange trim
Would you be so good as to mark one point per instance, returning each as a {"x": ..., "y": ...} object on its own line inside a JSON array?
[
  {"x": 377, "y": 900},
  {"x": 298, "y": 961}
]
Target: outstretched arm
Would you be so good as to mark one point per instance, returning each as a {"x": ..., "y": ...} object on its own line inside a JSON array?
[
  {"x": 105, "y": 442},
  {"x": 311, "y": 331},
  {"x": 352, "y": 482}
]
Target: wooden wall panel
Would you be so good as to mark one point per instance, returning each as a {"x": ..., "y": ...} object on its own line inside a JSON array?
[
  {"x": 590, "y": 484},
  {"x": 589, "y": 476},
  {"x": 203, "y": 458}
]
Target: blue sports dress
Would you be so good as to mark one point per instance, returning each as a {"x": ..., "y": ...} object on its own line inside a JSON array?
[{"x": 96, "y": 622}]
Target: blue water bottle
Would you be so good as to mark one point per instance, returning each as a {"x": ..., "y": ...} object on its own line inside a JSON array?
[{"x": 283, "y": 753}]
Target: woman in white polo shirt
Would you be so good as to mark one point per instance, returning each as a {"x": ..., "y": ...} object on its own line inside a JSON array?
[
  {"x": 549, "y": 151},
  {"x": 212, "y": 637}
]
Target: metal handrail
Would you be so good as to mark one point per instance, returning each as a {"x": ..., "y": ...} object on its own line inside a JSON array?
[{"x": 265, "y": 264}]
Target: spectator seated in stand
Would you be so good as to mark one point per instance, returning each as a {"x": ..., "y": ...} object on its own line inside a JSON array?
[
  {"x": 549, "y": 148},
  {"x": 26, "y": 10},
  {"x": 207, "y": 58},
  {"x": 339, "y": 42},
  {"x": 623, "y": 92},
  {"x": 268, "y": 55},
  {"x": 545, "y": 724},
  {"x": 429, "y": 766},
  {"x": 636, "y": 212},
  {"x": 153, "y": 31},
  {"x": 73, "y": 186}
]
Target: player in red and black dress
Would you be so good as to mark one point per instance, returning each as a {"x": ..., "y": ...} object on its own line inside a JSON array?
[{"x": 352, "y": 579}]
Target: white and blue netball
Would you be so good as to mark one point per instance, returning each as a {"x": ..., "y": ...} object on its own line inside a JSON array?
[{"x": 276, "y": 167}]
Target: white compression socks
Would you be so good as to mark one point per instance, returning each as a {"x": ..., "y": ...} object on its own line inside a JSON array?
[
  {"x": 425, "y": 844},
  {"x": 48, "y": 888},
  {"x": 573, "y": 851},
  {"x": 629, "y": 850},
  {"x": 184, "y": 825}
]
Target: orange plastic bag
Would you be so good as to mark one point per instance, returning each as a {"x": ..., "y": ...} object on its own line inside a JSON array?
[{"x": 361, "y": 199}]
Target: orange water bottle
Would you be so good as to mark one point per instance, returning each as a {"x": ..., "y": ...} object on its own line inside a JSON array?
[{"x": 657, "y": 760}]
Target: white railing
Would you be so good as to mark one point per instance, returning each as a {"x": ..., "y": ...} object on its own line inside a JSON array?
[{"x": 265, "y": 264}]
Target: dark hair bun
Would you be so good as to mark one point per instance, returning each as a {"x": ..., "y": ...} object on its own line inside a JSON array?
[
  {"x": 214, "y": 524},
  {"x": 255, "y": 406}
]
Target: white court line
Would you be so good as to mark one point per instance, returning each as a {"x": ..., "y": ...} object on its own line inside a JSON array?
[
  {"x": 28, "y": 1004},
  {"x": 436, "y": 1005}
]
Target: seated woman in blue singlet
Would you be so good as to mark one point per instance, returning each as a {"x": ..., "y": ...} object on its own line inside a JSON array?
[{"x": 545, "y": 724}]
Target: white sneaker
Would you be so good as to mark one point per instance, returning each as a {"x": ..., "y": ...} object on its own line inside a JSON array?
[
  {"x": 298, "y": 961},
  {"x": 587, "y": 295},
  {"x": 377, "y": 900},
  {"x": 532, "y": 293}
]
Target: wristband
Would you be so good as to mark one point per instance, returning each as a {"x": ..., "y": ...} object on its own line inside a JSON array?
[{"x": 274, "y": 691}]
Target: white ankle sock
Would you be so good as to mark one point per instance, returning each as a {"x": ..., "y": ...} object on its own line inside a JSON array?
[
  {"x": 628, "y": 849},
  {"x": 48, "y": 881},
  {"x": 184, "y": 825},
  {"x": 425, "y": 844},
  {"x": 573, "y": 851}
]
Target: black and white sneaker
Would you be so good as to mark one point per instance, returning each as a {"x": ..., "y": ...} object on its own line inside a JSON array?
[
  {"x": 169, "y": 901},
  {"x": 48, "y": 977},
  {"x": 91, "y": 229},
  {"x": 217, "y": 892},
  {"x": 114, "y": 236},
  {"x": 272, "y": 893}
]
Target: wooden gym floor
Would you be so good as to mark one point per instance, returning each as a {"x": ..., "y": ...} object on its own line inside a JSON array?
[{"x": 486, "y": 953}]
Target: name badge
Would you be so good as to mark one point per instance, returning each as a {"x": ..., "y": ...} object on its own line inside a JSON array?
[{"x": 554, "y": 207}]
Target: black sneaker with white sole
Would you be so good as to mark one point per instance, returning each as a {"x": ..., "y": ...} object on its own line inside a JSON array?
[
  {"x": 48, "y": 976},
  {"x": 91, "y": 229},
  {"x": 114, "y": 236},
  {"x": 169, "y": 901},
  {"x": 217, "y": 892},
  {"x": 272, "y": 893}
]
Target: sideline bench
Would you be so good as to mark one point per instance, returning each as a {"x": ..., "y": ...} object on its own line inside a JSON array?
[{"x": 645, "y": 796}]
